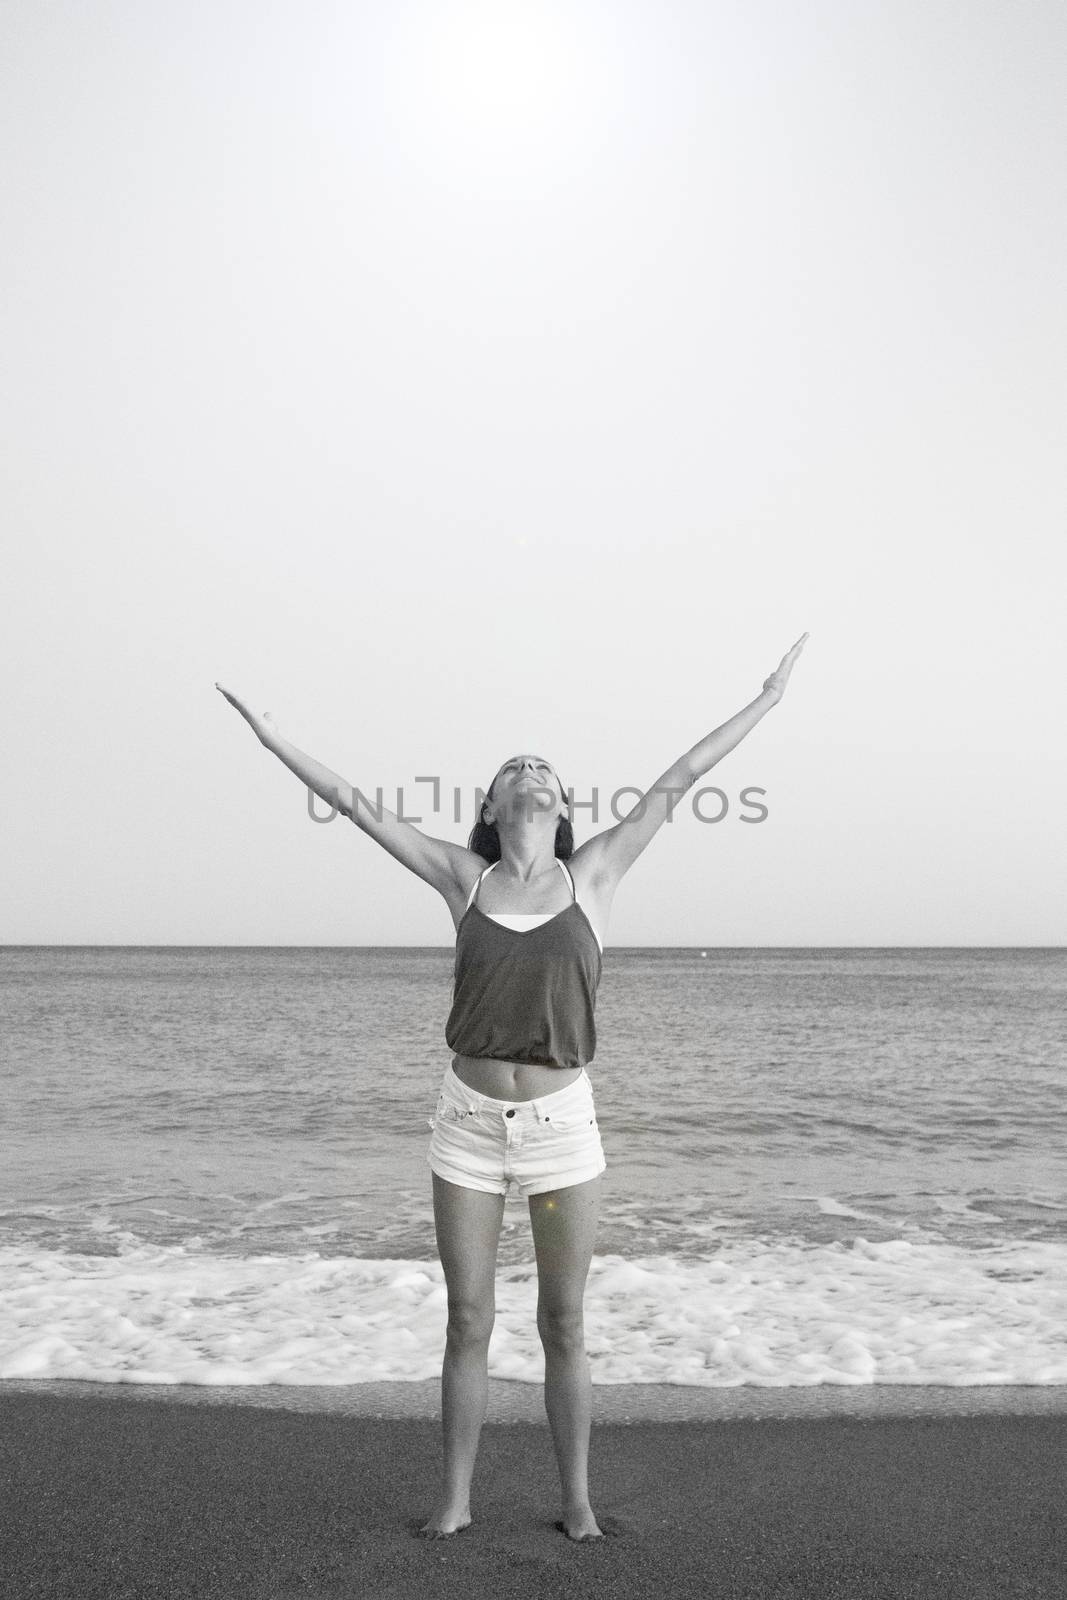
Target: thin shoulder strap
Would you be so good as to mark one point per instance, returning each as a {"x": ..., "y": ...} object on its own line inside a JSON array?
[
  {"x": 574, "y": 892},
  {"x": 478, "y": 883},
  {"x": 567, "y": 874}
]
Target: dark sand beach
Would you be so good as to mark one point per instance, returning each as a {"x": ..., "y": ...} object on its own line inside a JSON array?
[{"x": 127, "y": 1496}]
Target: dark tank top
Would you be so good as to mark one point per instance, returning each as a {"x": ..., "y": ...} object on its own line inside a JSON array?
[{"x": 525, "y": 996}]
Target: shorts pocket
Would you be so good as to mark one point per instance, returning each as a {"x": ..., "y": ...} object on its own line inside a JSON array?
[
  {"x": 567, "y": 1121},
  {"x": 449, "y": 1113}
]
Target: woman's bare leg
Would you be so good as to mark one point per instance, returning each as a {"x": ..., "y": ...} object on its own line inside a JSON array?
[
  {"x": 564, "y": 1226},
  {"x": 468, "y": 1231}
]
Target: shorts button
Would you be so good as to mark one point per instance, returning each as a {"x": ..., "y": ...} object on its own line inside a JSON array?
[{"x": 509, "y": 1113}]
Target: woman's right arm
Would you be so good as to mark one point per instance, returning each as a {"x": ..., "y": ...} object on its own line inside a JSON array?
[{"x": 447, "y": 867}]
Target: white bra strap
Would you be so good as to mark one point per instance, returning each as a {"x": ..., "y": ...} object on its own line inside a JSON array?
[
  {"x": 574, "y": 892},
  {"x": 567, "y": 874},
  {"x": 477, "y": 883},
  {"x": 560, "y": 863}
]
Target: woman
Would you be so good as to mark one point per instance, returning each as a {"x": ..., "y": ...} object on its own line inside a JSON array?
[{"x": 516, "y": 1103}]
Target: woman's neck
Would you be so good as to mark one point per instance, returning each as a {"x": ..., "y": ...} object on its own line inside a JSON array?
[{"x": 524, "y": 863}]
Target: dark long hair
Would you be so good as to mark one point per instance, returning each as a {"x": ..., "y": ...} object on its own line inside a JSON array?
[{"x": 485, "y": 836}]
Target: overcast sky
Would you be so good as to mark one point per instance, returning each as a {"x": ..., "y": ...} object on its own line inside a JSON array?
[{"x": 460, "y": 379}]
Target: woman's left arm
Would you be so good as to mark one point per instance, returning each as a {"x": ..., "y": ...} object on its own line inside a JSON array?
[
  {"x": 721, "y": 741},
  {"x": 610, "y": 854}
]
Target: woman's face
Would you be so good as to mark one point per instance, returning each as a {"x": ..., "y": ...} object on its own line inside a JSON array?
[{"x": 525, "y": 773}]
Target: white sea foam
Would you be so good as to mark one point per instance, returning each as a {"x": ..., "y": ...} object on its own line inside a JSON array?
[
  {"x": 767, "y": 1313},
  {"x": 835, "y": 1208}
]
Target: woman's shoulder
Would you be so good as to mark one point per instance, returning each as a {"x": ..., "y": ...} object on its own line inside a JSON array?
[
  {"x": 591, "y": 887},
  {"x": 470, "y": 866}
]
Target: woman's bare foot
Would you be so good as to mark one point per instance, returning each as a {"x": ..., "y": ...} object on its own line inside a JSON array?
[
  {"x": 447, "y": 1521},
  {"x": 580, "y": 1524}
]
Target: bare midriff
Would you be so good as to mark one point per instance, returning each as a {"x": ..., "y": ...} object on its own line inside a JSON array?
[{"x": 511, "y": 1080}]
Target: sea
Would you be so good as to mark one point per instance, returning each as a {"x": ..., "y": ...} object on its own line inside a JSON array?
[{"x": 825, "y": 1167}]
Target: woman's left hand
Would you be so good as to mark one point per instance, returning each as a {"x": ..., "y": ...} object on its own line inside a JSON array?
[
  {"x": 775, "y": 684},
  {"x": 263, "y": 727}
]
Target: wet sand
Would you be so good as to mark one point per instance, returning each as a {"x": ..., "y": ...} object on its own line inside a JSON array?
[{"x": 134, "y": 1496}]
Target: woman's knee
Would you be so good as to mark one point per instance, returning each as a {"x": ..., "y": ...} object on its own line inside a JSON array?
[
  {"x": 470, "y": 1322},
  {"x": 562, "y": 1328}
]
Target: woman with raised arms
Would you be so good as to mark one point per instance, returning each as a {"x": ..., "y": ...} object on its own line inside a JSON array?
[{"x": 516, "y": 1103}]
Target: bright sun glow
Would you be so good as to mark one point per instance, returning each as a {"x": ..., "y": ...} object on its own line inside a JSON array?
[
  {"x": 507, "y": 60},
  {"x": 476, "y": 77}
]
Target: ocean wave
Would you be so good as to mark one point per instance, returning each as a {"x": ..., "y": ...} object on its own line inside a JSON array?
[{"x": 769, "y": 1313}]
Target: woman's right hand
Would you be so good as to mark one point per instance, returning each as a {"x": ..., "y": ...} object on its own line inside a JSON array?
[
  {"x": 775, "y": 685},
  {"x": 262, "y": 726}
]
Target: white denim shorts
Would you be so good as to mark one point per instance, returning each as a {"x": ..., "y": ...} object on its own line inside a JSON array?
[{"x": 548, "y": 1143}]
